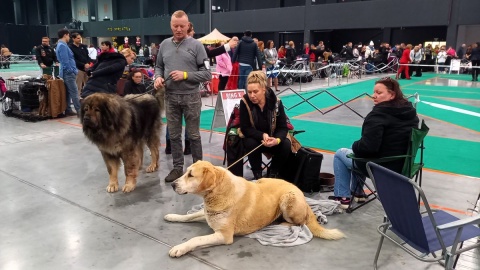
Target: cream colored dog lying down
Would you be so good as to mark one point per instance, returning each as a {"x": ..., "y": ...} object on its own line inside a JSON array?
[{"x": 235, "y": 206}]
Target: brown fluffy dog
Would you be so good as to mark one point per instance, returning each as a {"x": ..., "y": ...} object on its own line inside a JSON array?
[
  {"x": 120, "y": 127},
  {"x": 235, "y": 206}
]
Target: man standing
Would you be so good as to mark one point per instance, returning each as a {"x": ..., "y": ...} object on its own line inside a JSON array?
[
  {"x": 461, "y": 51},
  {"x": 245, "y": 55},
  {"x": 82, "y": 60},
  {"x": 46, "y": 57},
  {"x": 68, "y": 71},
  {"x": 181, "y": 60}
]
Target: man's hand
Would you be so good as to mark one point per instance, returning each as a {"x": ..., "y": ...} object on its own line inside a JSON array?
[
  {"x": 176, "y": 75},
  {"x": 87, "y": 66},
  {"x": 158, "y": 83},
  {"x": 42, "y": 65}
]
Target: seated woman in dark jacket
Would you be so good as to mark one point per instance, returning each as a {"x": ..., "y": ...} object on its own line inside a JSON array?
[
  {"x": 263, "y": 121},
  {"x": 105, "y": 72},
  {"x": 134, "y": 84},
  {"x": 385, "y": 132}
]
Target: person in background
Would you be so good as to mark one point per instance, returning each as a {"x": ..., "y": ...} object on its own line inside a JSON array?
[
  {"x": 269, "y": 126},
  {"x": 246, "y": 54},
  {"x": 108, "y": 69},
  {"x": 46, "y": 57},
  {"x": 385, "y": 132},
  {"x": 290, "y": 54},
  {"x": 92, "y": 52},
  {"x": 153, "y": 52},
  {"x": 134, "y": 84},
  {"x": 5, "y": 56},
  {"x": 405, "y": 61},
  {"x": 416, "y": 56},
  {"x": 181, "y": 60},
  {"x": 442, "y": 58},
  {"x": 146, "y": 52},
  {"x": 271, "y": 58},
  {"x": 461, "y": 51},
  {"x": 313, "y": 57},
  {"x": 68, "y": 71},
  {"x": 224, "y": 68},
  {"x": 475, "y": 58},
  {"x": 281, "y": 52},
  {"x": 82, "y": 60},
  {"x": 261, "y": 48}
]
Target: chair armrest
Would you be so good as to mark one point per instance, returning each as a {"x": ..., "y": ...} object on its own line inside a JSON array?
[
  {"x": 460, "y": 223},
  {"x": 376, "y": 160}
]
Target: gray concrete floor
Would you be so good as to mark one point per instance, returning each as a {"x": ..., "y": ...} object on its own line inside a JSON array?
[{"x": 56, "y": 214}]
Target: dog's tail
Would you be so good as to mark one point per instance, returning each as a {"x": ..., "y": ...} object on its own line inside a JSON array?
[{"x": 319, "y": 231}]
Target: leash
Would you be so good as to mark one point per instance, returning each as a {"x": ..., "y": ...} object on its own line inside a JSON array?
[
  {"x": 149, "y": 91},
  {"x": 244, "y": 156}
]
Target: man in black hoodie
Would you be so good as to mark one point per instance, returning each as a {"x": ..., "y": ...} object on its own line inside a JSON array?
[
  {"x": 245, "y": 55},
  {"x": 82, "y": 60}
]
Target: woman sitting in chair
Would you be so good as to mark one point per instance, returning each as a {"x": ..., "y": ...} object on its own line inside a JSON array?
[
  {"x": 263, "y": 121},
  {"x": 134, "y": 84},
  {"x": 385, "y": 132}
]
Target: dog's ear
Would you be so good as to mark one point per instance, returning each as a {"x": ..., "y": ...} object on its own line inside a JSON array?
[
  {"x": 106, "y": 115},
  {"x": 210, "y": 177}
]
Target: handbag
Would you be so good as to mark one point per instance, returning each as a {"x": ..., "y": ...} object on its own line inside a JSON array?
[{"x": 303, "y": 169}]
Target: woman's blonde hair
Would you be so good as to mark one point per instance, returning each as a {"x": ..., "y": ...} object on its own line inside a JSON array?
[
  {"x": 127, "y": 52},
  {"x": 257, "y": 77}
]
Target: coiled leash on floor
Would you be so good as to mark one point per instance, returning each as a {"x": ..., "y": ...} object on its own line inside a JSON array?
[
  {"x": 150, "y": 91},
  {"x": 244, "y": 156}
]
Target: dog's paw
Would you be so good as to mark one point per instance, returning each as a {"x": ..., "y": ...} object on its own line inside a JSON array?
[
  {"x": 173, "y": 217},
  {"x": 152, "y": 168},
  {"x": 128, "y": 187},
  {"x": 112, "y": 188},
  {"x": 179, "y": 250}
]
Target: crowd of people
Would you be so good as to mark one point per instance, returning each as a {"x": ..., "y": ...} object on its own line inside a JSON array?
[{"x": 181, "y": 64}]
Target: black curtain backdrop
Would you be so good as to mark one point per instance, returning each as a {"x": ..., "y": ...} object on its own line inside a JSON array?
[{"x": 20, "y": 39}]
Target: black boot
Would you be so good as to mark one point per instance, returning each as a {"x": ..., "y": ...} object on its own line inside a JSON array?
[
  {"x": 257, "y": 175},
  {"x": 168, "y": 148},
  {"x": 187, "y": 150}
]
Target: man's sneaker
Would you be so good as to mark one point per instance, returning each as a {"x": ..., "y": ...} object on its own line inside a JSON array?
[
  {"x": 344, "y": 203},
  {"x": 70, "y": 113},
  {"x": 173, "y": 175}
]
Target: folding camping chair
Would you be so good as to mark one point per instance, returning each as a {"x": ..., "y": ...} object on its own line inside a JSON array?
[
  {"x": 411, "y": 168},
  {"x": 424, "y": 232}
]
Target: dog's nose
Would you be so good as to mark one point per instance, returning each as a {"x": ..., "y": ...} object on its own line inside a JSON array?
[{"x": 174, "y": 185}]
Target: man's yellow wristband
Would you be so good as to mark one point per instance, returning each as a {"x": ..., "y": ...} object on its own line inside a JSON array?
[
  {"x": 185, "y": 76},
  {"x": 278, "y": 141}
]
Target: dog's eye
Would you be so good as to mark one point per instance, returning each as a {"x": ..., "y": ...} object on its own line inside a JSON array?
[{"x": 190, "y": 174}]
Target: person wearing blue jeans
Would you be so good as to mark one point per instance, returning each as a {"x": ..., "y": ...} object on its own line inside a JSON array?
[
  {"x": 247, "y": 55},
  {"x": 243, "y": 72},
  {"x": 385, "y": 132},
  {"x": 68, "y": 71},
  {"x": 345, "y": 179}
]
